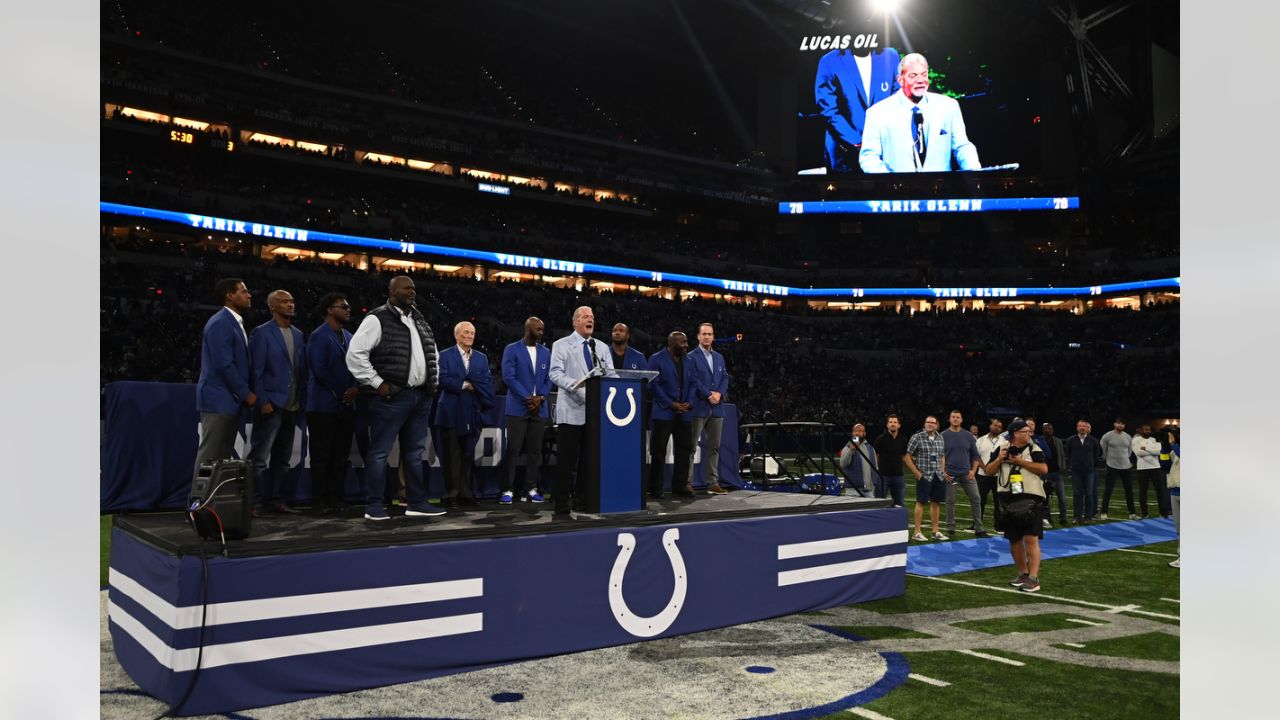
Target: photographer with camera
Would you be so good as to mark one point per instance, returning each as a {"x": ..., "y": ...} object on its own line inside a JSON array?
[
  {"x": 858, "y": 460},
  {"x": 1020, "y": 494}
]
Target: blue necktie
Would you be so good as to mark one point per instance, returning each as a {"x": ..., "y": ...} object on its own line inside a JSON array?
[
  {"x": 586, "y": 354},
  {"x": 915, "y": 132}
]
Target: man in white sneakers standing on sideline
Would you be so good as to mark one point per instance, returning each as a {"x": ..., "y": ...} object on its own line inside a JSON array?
[
  {"x": 960, "y": 469},
  {"x": 1146, "y": 450},
  {"x": 987, "y": 446},
  {"x": 1117, "y": 445},
  {"x": 925, "y": 451}
]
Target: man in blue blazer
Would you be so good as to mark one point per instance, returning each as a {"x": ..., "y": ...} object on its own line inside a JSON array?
[
  {"x": 279, "y": 379},
  {"x": 625, "y": 357},
  {"x": 916, "y": 130},
  {"x": 331, "y": 397},
  {"x": 223, "y": 388},
  {"x": 710, "y": 385},
  {"x": 672, "y": 389},
  {"x": 526, "y": 370},
  {"x": 466, "y": 392},
  {"x": 844, "y": 87}
]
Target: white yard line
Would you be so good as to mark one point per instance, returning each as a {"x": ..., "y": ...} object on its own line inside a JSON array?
[
  {"x": 993, "y": 658},
  {"x": 1086, "y": 603},
  {"x": 868, "y": 714},
  {"x": 1074, "y": 645},
  {"x": 1147, "y": 552},
  {"x": 929, "y": 680},
  {"x": 1172, "y": 600},
  {"x": 1084, "y": 622}
]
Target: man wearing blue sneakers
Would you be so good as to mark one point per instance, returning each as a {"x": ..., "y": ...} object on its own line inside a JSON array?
[
  {"x": 526, "y": 367},
  {"x": 393, "y": 357}
]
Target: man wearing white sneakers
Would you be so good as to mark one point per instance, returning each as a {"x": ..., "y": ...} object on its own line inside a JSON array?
[
  {"x": 1117, "y": 447},
  {"x": 526, "y": 371},
  {"x": 924, "y": 458}
]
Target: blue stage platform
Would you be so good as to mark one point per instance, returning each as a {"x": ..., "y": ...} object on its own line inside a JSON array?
[{"x": 328, "y": 606}]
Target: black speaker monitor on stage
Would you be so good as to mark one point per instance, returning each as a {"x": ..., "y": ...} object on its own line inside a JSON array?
[{"x": 221, "y": 499}]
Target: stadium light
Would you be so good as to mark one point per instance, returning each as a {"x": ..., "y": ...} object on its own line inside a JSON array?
[{"x": 888, "y": 8}]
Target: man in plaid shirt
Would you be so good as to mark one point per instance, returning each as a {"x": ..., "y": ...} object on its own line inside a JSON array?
[{"x": 925, "y": 453}]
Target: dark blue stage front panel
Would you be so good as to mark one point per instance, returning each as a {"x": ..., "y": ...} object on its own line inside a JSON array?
[
  {"x": 621, "y": 439},
  {"x": 286, "y": 627},
  {"x": 138, "y": 472}
]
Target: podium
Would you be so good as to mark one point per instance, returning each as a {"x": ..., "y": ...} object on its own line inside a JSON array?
[{"x": 613, "y": 441}]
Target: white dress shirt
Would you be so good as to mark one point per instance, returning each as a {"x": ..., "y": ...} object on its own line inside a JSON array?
[
  {"x": 240, "y": 322},
  {"x": 367, "y": 338}
]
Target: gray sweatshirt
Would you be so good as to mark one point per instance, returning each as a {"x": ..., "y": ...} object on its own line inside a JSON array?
[{"x": 1116, "y": 447}]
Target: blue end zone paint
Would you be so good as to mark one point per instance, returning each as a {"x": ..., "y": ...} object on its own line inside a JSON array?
[
  {"x": 759, "y": 669},
  {"x": 507, "y": 697},
  {"x": 895, "y": 674},
  {"x": 981, "y": 553}
]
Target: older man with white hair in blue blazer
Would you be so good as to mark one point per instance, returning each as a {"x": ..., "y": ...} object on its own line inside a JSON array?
[{"x": 466, "y": 392}]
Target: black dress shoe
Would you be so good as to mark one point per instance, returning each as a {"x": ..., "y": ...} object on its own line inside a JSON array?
[
  {"x": 448, "y": 502},
  {"x": 468, "y": 501}
]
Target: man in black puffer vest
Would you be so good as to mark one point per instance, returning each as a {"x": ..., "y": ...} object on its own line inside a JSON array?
[{"x": 393, "y": 357}]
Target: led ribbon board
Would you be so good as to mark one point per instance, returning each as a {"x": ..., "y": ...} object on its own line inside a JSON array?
[
  {"x": 952, "y": 205},
  {"x": 555, "y": 265}
]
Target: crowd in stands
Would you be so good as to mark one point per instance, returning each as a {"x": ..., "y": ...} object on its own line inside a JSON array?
[
  {"x": 795, "y": 362},
  {"x": 454, "y": 215}
]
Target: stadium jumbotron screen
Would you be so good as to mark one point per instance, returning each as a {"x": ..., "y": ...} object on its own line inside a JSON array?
[{"x": 936, "y": 88}]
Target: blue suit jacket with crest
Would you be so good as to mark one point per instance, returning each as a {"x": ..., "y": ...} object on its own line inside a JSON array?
[
  {"x": 523, "y": 380},
  {"x": 456, "y": 408},
  {"x": 667, "y": 387}
]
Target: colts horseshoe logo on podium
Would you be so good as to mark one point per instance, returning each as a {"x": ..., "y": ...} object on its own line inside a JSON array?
[
  {"x": 608, "y": 407},
  {"x": 647, "y": 626}
]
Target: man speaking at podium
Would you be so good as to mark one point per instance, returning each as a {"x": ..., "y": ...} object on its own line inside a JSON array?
[
  {"x": 573, "y": 357},
  {"x": 915, "y": 130}
]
